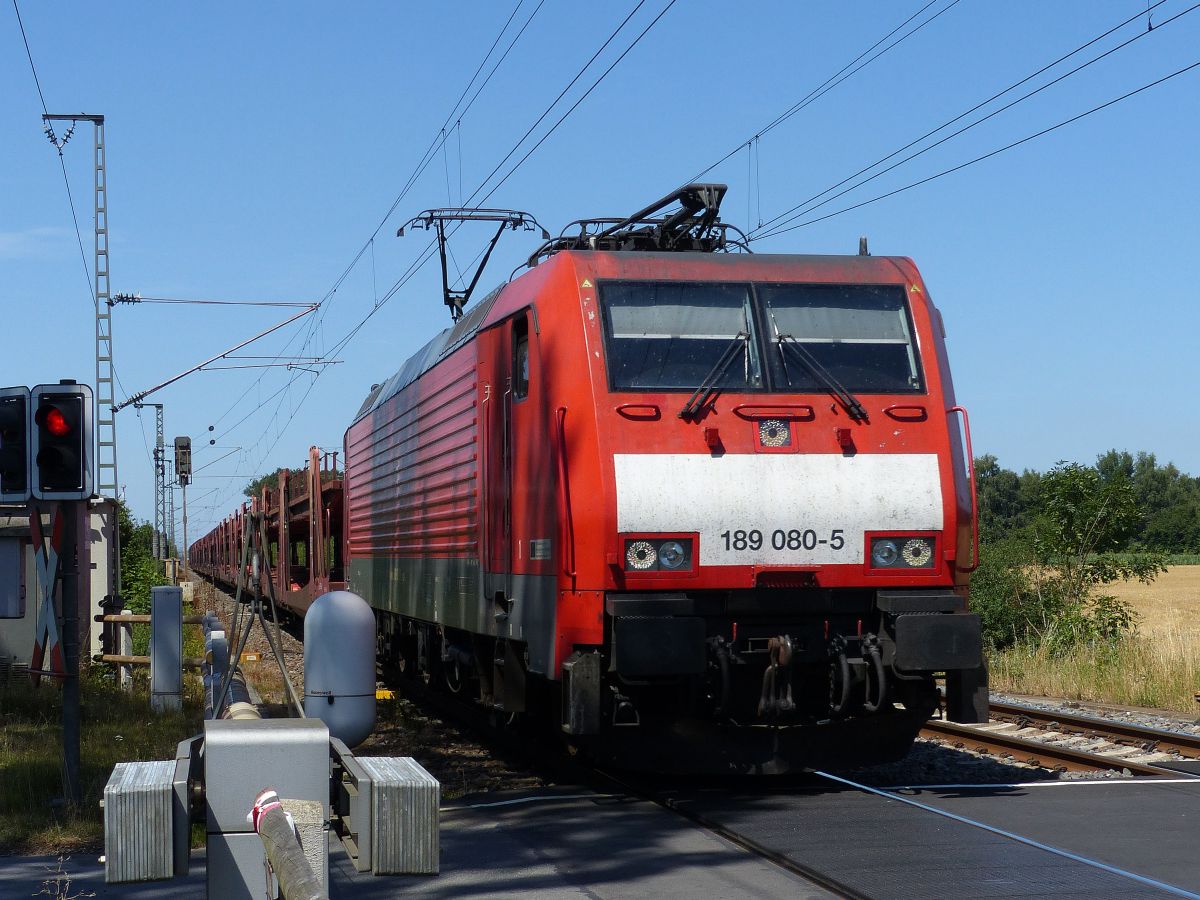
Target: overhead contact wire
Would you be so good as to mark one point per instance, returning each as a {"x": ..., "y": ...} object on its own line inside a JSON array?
[
  {"x": 422, "y": 164},
  {"x": 427, "y": 254},
  {"x": 430, "y": 249},
  {"x": 960, "y": 116},
  {"x": 831, "y": 82},
  {"x": 995, "y": 152},
  {"x": 787, "y": 216},
  {"x": 87, "y": 272}
]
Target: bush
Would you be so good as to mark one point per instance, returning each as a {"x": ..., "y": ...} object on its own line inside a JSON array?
[
  {"x": 140, "y": 572},
  {"x": 1039, "y": 586},
  {"x": 1004, "y": 594}
]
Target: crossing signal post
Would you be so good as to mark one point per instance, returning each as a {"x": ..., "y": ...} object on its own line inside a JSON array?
[
  {"x": 61, "y": 441},
  {"x": 46, "y": 454},
  {"x": 14, "y": 444}
]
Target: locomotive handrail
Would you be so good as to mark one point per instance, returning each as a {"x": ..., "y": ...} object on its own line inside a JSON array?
[
  {"x": 907, "y": 412},
  {"x": 641, "y": 411},
  {"x": 565, "y": 487},
  {"x": 751, "y": 411},
  {"x": 974, "y": 496}
]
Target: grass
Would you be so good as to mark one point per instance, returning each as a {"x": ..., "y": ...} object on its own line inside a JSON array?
[
  {"x": 1157, "y": 667},
  {"x": 1161, "y": 674},
  {"x": 116, "y": 726}
]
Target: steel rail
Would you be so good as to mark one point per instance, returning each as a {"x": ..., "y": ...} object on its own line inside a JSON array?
[
  {"x": 1035, "y": 752},
  {"x": 1118, "y": 732},
  {"x": 566, "y": 769},
  {"x": 1021, "y": 839},
  {"x": 778, "y": 858}
]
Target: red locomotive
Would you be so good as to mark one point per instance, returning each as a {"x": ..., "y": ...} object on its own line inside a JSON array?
[{"x": 711, "y": 511}]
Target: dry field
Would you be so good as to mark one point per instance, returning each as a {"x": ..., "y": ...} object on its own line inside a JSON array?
[
  {"x": 1158, "y": 668},
  {"x": 1169, "y": 608}
]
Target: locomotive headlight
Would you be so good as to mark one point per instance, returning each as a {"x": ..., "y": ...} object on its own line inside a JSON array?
[
  {"x": 917, "y": 552},
  {"x": 903, "y": 552},
  {"x": 884, "y": 554},
  {"x": 672, "y": 554},
  {"x": 648, "y": 554},
  {"x": 774, "y": 433},
  {"x": 640, "y": 555}
]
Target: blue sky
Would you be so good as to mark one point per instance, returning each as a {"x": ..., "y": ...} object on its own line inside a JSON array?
[{"x": 254, "y": 148}]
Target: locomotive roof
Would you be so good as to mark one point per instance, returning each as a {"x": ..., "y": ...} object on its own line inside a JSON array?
[
  {"x": 442, "y": 344},
  {"x": 450, "y": 339}
]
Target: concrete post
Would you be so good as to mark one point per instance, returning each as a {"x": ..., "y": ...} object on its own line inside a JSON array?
[
  {"x": 166, "y": 648},
  {"x": 125, "y": 648}
]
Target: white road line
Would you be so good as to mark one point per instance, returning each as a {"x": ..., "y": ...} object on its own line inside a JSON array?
[
  {"x": 1039, "y": 784},
  {"x": 1029, "y": 842}
]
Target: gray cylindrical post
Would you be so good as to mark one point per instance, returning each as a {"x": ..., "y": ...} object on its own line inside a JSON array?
[
  {"x": 216, "y": 661},
  {"x": 125, "y": 648}
]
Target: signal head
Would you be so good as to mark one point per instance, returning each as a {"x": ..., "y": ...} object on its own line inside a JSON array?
[
  {"x": 61, "y": 441},
  {"x": 14, "y": 444}
]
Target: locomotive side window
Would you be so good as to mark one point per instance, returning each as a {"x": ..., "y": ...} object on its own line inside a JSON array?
[
  {"x": 862, "y": 334},
  {"x": 672, "y": 335},
  {"x": 520, "y": 376}
]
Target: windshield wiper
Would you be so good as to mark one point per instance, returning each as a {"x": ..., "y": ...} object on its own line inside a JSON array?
[
  {"x": 708, "y": 386},
  {"x": 835, "y": 387}
]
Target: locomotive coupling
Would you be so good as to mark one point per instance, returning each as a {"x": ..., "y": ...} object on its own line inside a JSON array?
[{"x": 777, "y": 679}]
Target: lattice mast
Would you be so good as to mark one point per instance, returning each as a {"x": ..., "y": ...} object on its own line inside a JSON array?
[{"x": 107, "y": 484}]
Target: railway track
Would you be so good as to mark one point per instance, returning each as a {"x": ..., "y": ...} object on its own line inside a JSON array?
[
  {"x": 1118, "y": 732},
  {"x": 762, "y": 818},
  {"x": 623, "y": 783},
  {"x": 1059, "y": 740}
]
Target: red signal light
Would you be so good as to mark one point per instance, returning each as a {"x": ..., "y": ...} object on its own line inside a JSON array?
[{"x": 56, "y": 423}]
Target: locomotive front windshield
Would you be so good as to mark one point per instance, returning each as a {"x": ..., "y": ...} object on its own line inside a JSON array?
[
  {"x": 673, "y": 335},
  {"x": 861, "y": 333}
]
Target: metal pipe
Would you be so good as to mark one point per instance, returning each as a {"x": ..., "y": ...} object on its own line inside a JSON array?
[
  {"x": 239, "y": 695},
  {"x": 72, "y": 511},
  {"x": 189, "y": 662},
  {"x": 216, "y": 661},
  {"x": 183, "y": 488}
]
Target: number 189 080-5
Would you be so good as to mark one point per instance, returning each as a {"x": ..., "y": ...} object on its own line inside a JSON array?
[{"x": 793, "y": 539}]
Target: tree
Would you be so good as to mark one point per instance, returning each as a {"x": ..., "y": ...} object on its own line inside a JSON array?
[
  {"x": 1167, "y": 499},
  {"x": 1005, "y": 498},
  {"x": 254, "y": 488},
  {"x": 140, "y": 571},
  {"x": 1041, "y": 583}
]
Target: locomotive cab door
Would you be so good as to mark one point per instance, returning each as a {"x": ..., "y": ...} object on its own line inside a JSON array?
[{"x": 520, "y": 491}]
